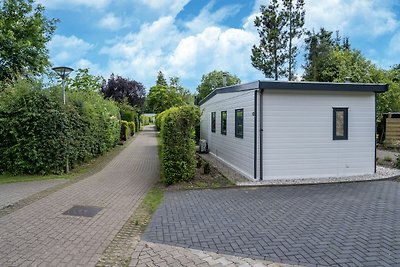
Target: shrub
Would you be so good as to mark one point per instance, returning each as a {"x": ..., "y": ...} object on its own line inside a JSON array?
[
  {"x": 125, "y": 131},
  {"x": 127, "y": 112},
  {"x": 387, "y": 158},
  {"x": 146, "y": 120},
  {"x": 39, "y": 133},
  {"x": 132, "y": 127},
  {"x": 159, "y": 118},
  {"x": 178, "y": 151}
]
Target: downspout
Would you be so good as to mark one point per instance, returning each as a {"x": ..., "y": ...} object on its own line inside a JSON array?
[
  {"x": 261, "y": 134},
  {"x": 375, "y": 135},
  {"x": 255, "y": 134}
]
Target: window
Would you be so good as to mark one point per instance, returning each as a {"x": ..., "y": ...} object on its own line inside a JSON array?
[
  {"x": 213, "y": 118},
  {"x": 223, "y": 122},
  {"x": 239, "y": 123},
  {"x": 340, "y": 123}
]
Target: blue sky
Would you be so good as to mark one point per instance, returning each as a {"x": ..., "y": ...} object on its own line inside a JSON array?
[{"x": 189, "y": 38}]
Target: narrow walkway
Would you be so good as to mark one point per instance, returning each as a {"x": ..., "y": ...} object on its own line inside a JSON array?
[
  {"x": 40, "y": 235},
  {"x": 14, "y": 192}
]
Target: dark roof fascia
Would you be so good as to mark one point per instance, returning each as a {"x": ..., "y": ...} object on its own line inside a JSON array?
[
  {"x": 231, "y": 89},
  {"x": 304, "y": 86},
  {"x": 324, "y": 86}
]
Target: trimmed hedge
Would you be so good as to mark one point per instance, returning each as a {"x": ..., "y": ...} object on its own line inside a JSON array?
[
  {"x": 125, "y": 131},
  {"x": 159, "y": 119},
  {"x": 130, "y": 115},
  {"x": 178, "y": 150},
  {"x": 38, "y": 133},
  {"x": 132, "y": 127}
]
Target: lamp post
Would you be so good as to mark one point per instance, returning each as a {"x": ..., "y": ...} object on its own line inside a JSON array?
[{"x": 63, "y": 72}]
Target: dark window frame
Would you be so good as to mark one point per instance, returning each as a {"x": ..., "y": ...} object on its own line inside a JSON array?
[
  {"x": 213, "y": 121},
  {"x": 223, "y": 129},
  {"x": 345, "y": 124},
  {"x": 237, "y": 121}
]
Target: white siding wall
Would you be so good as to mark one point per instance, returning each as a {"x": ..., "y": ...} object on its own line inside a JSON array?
[
  {"x": 237, "y": 152},
  {"x": 298, "y": 134}
]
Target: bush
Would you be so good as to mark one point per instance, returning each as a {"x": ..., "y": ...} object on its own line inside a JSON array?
[
  {"x": 178, "y": 151},
  {"x": 39, "y": 133},
  {"x": 146, "y": 120},
  {"x": 132, "y": 127},
  {"x": 125, "y": 131},
  {"x": 127, "y": 112},
  {"x": 159, "y": 118}
]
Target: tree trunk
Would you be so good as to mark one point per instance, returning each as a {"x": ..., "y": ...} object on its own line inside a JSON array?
[
  {"x": 275, "y": 61},
  {"x": 290, "y": 41}
]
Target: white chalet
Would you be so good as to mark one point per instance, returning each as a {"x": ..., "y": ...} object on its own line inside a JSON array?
[{"x": 293, "y": 130}]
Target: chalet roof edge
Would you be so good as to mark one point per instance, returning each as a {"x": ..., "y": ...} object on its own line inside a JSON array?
[{"x": 306, "y": 86}]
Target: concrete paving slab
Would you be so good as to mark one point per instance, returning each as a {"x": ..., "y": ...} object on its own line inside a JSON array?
[{"x": 14, "y": 192}]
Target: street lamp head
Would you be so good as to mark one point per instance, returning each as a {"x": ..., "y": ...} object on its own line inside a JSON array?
[{"x": 63, "y": 72}]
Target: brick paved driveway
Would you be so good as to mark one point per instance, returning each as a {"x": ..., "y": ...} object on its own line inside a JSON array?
[
  {"x": 40, "y": 235},
  {"x": 354, "y": 224}
]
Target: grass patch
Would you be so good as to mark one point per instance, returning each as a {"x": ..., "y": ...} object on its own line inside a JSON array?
[
  {"x": 81, "y": 171},
  {"x": 387, "y": 158},
  {"x": 152, "y": 200}
]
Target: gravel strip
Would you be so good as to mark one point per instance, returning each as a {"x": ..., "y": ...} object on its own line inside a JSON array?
[{"x": 381, "y": 173}]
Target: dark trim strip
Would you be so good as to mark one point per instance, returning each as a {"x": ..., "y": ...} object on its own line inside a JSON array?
[
  {"x": 375, "y": 136},
  {"x": 230, "y": 89},
  {"x": 324, "y": 86},
  {"x": 261, "y": 135},
  {"x": 307, "y": 86},
  {"x": 255, "y": 134}
]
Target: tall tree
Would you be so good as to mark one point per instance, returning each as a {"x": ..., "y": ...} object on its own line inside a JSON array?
[
  {"x": 121, "y": 89},
  {"x": 85, "y": 81},
  {"x": 161, "y": 79},
  {"x": 294, "y": 13},
  {"x": 318, "y": 48},
  {"x": 213, "y": 80},
  {"x": 162, "y": 97},
  {"x": 278, "y": 28},
  {"x": 269, "y": 56},
  {"x": 24, "y": 32}
]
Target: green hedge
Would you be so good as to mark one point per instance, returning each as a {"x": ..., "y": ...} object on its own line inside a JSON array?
[
  {"x": 178, "y": 151},
  {"x": 39, "y": 133},
  {"x": 132, "y": 127},
  {"x": 159, "y": 118}
]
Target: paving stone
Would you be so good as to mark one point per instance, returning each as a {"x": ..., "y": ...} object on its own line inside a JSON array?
[
  {"x": 178, "y": 256},
  {"x": 329, "y": 224}
]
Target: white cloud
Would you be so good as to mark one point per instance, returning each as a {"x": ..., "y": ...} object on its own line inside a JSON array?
[
  {"x": 353, "y": 18},
  {"x": 65, "y": 50},
  {"x": 62, "y": 4},
  {"x": 111, "y": 22},
  {"x": 151, "y": 37},
  {"x": 140, "y": 55},
  {"x": 207, "y": 18},
  {"x": 215, "y": 48},
  {"x": 394, "y": 44},
  {"x": 161, "y": 46},
  {"x": 166, "y": 7}
]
